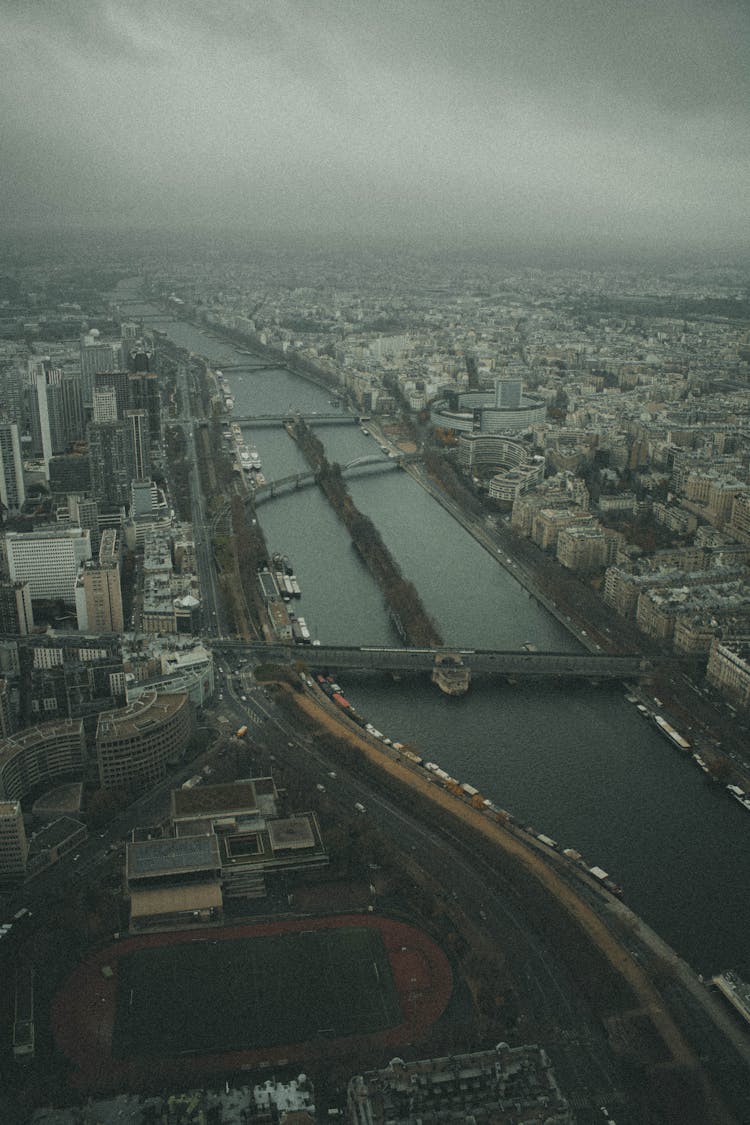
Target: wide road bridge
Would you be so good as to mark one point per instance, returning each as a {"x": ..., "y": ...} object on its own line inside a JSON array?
[{"x": 479, "y": 661}]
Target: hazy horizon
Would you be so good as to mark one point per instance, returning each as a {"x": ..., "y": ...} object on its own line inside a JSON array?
[{"x": 585, "y": 126}]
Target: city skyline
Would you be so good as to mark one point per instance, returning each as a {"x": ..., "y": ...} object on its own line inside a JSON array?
[{"x": 612, "y": 127}]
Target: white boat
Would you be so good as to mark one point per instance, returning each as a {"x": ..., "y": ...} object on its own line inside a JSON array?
[
  {"x": 739, "y": 795},
  {"x": 736, "y": 991},
  {"x": 673, "y": 735}
]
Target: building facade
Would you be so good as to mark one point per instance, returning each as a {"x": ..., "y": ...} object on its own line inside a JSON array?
[
  {"x": 134, "y": 743},
  {"x": 40, "y": 755},
  {"x": 12, "y": 491},
  {"x": 14, "y": 848},
  {"x": 98, "y": 596},
  {"x": 505, "y": 1085},
  {"x": 112, "y": 461},
  {"x": 16, "y": 615},
  {"x": 48, "y": 560},
  {"x": 728, "y": 668}
]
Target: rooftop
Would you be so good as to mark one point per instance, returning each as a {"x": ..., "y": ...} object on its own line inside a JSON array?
[
  {"x": 291, "y": 833},
  {"x": 153, "y": 858},
  {"x": 148, "y": 901},
  {"x": 219, "y": 800},
  {"x": 140, "y": 715}
]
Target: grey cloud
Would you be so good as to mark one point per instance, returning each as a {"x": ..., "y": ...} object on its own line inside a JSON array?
[{"x": 475, "y": 120}]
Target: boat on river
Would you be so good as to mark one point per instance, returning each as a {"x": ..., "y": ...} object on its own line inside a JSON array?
[
  {"x": 673, "y": 735},
  {"x": 736, "y": 990},
  {"x": 739, "y": 795}
]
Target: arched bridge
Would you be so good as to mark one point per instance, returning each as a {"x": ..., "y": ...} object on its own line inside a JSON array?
[
  {"x": 367, "y": 465},
  {"x": 479, "y": 661}
]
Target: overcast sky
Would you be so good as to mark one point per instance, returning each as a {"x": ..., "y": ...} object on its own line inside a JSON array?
[{"x": 555, "y": 121}]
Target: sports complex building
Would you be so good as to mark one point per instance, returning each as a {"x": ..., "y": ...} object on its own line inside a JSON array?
[{"x": 225, "y": 841}]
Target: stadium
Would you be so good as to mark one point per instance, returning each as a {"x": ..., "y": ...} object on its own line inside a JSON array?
[{"x": 242, "y": 997}]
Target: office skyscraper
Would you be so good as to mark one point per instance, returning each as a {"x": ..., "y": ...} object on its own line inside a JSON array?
[
  {"x": 14, "y": 847},
  {"x": 72, "y": 402},
  {"x": 99, "y": 598},
  {"x": 4, "y": 708},
  {"x": 145, "y": 395},
  {"x": 46, "y": 411},
  {"x": 97, "y": 355},
  {"x": 118, "y": 381},
  {"x": 138, "y": 423},
  {"x": 105, "y": 404},
  {"x": 16, "y": 615},
  {"x": 12, "y": 492},
  {"x": 112, "y": 460}
]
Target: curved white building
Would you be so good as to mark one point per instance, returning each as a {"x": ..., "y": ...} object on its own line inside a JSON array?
[
  {"x": 40, "y": 755},
  {"x": 513, "y": 469},
  {"x": 134, "y": 743},
  {"x": 506, "y": 410}
]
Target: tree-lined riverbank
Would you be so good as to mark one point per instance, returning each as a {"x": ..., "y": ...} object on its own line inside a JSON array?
[{"x": 412, "y": 620}]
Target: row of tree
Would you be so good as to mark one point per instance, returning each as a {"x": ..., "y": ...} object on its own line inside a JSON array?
[{"x": 401, "y": 596}]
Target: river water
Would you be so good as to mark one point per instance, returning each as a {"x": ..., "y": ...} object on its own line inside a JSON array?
[{"x": 578, "y": 763}]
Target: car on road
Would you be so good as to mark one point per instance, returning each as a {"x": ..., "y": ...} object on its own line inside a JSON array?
[
  {"x": 331, "y": 773},
  {"x": 359, "y": 807},
  {"x": 320, "y": 787}
]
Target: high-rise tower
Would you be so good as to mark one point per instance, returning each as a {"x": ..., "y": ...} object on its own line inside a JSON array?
[{"x": 12, "y": 492}]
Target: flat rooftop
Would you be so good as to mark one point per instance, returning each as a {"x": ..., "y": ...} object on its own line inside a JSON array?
[
  {"x": 153, "y": 858},
  {"x": 291, "y": 833},
  {"x": 63, "y": 799},
  {"x": 255, "y": 795},
  {"x": 147, "y": 902}
]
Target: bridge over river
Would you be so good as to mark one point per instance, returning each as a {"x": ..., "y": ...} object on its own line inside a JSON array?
[
  {"x": 255, "y": 420},
  {"x": 366, "y": 465},
  {"x": 259, "y": 365},
  {"x": 479, "y": 661}
]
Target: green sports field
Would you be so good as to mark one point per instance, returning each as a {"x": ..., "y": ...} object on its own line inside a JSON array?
[{"x": 207, "y": 995}]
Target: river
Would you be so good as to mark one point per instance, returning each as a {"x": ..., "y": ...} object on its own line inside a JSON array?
[{"x": 579, "y": 763}]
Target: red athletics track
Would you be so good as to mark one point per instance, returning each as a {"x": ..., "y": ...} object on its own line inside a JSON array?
[{"x": 83, "y": 1011}]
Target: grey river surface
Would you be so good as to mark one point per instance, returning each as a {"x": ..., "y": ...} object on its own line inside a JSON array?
[{"x": 579, "y": 763}]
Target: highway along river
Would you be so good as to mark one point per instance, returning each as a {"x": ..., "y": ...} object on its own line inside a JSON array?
[{"x": 578, "y": 763}]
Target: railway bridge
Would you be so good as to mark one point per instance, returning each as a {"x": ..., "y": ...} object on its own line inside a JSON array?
[
  {"x": 255, "y": 420},
  {"x": 260, "y": 365},
  {"x": 482, "y": 662}
]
